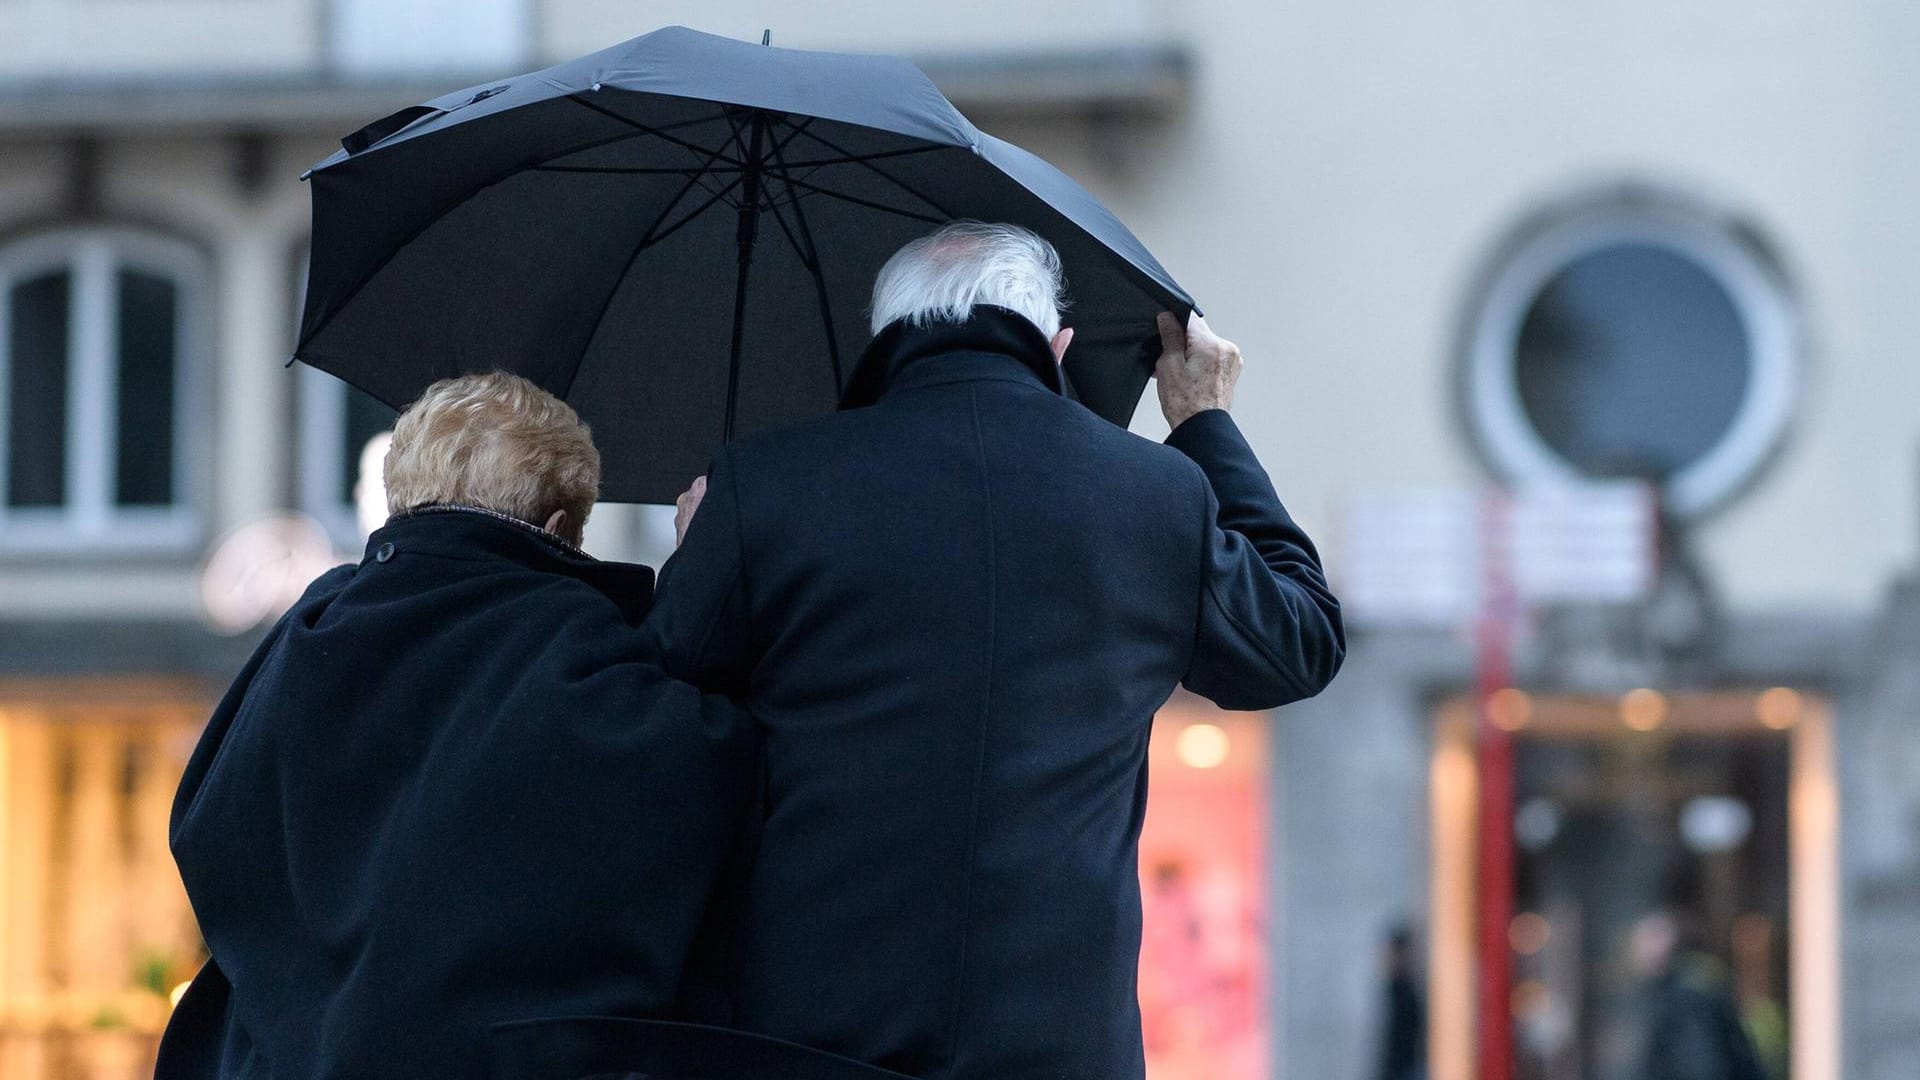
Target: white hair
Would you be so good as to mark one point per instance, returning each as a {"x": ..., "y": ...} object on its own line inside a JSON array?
[{"x": 944, "y": 274}]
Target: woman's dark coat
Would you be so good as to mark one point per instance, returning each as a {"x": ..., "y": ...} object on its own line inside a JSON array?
[
  {"x": 953, "y": 614},
  {"x": 450, "y": 789}
]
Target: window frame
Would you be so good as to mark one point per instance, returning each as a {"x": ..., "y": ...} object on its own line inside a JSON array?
[
  {"x": 89, "y": 520},
  {"x": 322, "y": 417},
  {"x": 1721, "y": 248}
]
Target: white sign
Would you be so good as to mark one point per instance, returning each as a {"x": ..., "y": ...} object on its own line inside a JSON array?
[{"x": 1444, "y": 557}]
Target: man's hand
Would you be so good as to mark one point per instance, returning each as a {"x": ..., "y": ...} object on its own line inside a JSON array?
[
  {"x": 685, "y": 507},
  {"x": 1197, "y": 370}
]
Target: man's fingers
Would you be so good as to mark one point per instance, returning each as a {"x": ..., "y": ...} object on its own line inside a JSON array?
[
  {"x": 1173, "y": 340},
  {"x": 1199, "y": 333},
  {"x": 685, "y": 506},
  {"x": 691, "y": 497},
  {"x": 1204, "y": 342}
]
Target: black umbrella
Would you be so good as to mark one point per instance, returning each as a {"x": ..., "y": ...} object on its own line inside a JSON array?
[{"x": 678, "y": 235}]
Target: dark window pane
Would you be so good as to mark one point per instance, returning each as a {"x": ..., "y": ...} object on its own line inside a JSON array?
[
  {"x": 149, "y": 313},
  {"x": 1633, "y": 361},
  {"x": 366, "y": 417},
  {"x": 37, "y": 391}
]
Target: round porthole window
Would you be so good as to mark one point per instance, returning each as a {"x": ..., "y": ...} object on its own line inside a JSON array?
[{"x": 1633, "y": 334}]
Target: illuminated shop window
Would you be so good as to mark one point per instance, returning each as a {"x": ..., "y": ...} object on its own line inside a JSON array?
[
  {"x": 96, "y": 934},
  {"x": 1204, "y": 945}
]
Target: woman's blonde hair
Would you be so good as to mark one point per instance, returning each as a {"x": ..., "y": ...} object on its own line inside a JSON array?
[{"x": 497, "y": 442}]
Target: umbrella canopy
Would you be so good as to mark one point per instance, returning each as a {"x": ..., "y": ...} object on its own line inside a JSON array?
[{"x": 678, "y": 235}]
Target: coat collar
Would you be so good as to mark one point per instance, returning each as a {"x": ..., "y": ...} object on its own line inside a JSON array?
[
  {"x": 999, "y": 344},
  {"x": 473, "y": 533}
]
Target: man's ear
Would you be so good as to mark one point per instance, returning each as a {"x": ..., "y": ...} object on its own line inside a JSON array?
[
  {"x": 1060, "y": 342},
  {"x": 557, "y": 524}
]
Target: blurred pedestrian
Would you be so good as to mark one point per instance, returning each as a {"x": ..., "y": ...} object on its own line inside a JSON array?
[
  {"x": 1403, "y": 1031},
  {"x": 1693, "y": 1026}
]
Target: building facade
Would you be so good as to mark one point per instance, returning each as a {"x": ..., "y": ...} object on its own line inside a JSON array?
[{"x": 1477, "y": 244}]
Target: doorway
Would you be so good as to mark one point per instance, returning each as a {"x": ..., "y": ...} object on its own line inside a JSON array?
[{"x": 1654, "y": 834}]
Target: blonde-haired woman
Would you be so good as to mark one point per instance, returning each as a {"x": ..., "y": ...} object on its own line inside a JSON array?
[{"x": 451, "y": 789}]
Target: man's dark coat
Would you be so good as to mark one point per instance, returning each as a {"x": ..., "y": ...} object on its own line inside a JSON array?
[
  {"x": 953, "y": 614},
  {"x": 450, "y": 789}
]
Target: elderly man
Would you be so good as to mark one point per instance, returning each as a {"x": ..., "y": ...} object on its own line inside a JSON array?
[
  {"x": 450, "y": 789},
  {"x": 953, "y": 609}
]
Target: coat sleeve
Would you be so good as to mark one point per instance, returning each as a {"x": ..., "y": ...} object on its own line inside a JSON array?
[
  {"x": 1268, "y": 630},
  {"x": 699, "y": 622}
]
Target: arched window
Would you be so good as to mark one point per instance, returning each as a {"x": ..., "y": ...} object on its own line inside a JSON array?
[{"x": 103, "y": 339}]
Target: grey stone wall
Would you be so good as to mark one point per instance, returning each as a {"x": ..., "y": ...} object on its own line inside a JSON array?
[
  {"x": 1349, "y": 846},
  {"x": 1879, "y": 750}
]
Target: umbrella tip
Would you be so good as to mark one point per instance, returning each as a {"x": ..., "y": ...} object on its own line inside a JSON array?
[{"x": 766, "y": 37}]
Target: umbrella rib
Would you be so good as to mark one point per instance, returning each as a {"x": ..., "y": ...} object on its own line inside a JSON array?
[
  {"x": 799, "y": 129},
  {"x": 621, "y": 278},
  {"x": 775, "y": 118},
  {"x": 733, "y": 132},
  {"x": 652, "y": 236},
  {"x": 792, "y": 242},
  {"x": 733, "y": 125},
  {"x": 811, "y": 258},
  {"x": 685, "y": 170},
  {"x": 655, "y": 234},
  {"x": 883, "y": 174},
  {"x": 861, "y": 159},
  {"x": 724, "y": 191},
  {"x": 868, "y": 203},
  {"x": 658, "y": 132},
  {"x": 455, "y": 204}
]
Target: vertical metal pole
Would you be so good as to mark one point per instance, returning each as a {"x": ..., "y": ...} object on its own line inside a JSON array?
[{"x": 1495, "y": 854}]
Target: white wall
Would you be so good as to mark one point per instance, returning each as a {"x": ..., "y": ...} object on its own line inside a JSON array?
[
  {"x": 1346, "y": 166},
  {"x": 570, "y": 27},
  {"x": 100, "y": 39}
]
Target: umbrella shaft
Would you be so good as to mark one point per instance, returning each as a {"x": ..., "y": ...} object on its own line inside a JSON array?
[{"x": 745, "y": 234}]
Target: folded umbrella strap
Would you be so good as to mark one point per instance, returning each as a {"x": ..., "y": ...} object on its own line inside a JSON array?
[
  {"x": 573, "y": 1048},
  {"x": 394, "y": 123},
  {"x": 387, "y": 126}
]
